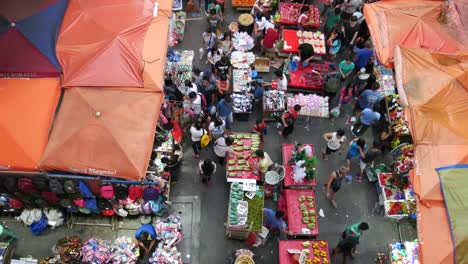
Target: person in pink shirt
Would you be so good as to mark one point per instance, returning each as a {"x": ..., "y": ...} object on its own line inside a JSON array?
[{"x": 346, "y": 94}]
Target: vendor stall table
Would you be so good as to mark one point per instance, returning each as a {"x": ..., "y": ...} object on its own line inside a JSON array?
[
  {"x": 243, "y": 4},
  {"x": 239, "y": 170},
  {"x": 177, "y": 5},
  {"x": 179, "y": 66},
  {"x": 386, "y": 80},
  {"x": 290, "y": 12},
  {"x": 292, "y": 41},
  {"x": 303, "y": 78},
  {"x": 274, "y": 104},
  {"x": 288, "y": 170},
  {"x": 312, "y": 105},
  {"x": 176, "y": 27},
  {"x": 241, "y": 79},
  {"x": 407, "y": 253},
  {"x": 318, "y": 249},
  {"x": 238, "y": 200},
  {"x": 295, "y": 213}
]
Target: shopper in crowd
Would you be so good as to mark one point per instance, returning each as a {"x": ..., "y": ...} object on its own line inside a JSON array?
[
  {"x": 362, "y": 36},
  {"x": 226, "y": 44},
  {"x": 216, "y": 128},
  {"x": 216, "y": 7},
  {"x": 369, "y": 97},
  {"x": 222, "y": 146},
  {"x": 353, "y": 150},
  {"x": 350, "y": 30},
  {"x": 344, "y": 247},
  {"x": 332, "y": 82},
  {"x": 193, "y": 104},
  {"x": 222, "y": 87},
  {"x": 208, "y": 91},
  {"x": 281, "y": 80},
  {"x": 274, "y": 222},
  {"x": 208, "y": 42},
  {"x": 225, "y": 110},
  {"x": 171, "y": 90},
  {"x": 264, "y": 161},
  {"x": 146, "y": 237},
  {"x": 334, "y": 182},
  {"x": 335, "y": 142},
  {"x": 214, "y": 22},
  {"x": 367, "y": 118},
  {"x": 355, "y": 231},
  {"x": 206, "y": 169},
  {"x": 346, "y": 94},
  {"x": 261, "y": 6},
  {"x": 385, "y": 138},
  {"x": 214, "y": 56},
  {"x": 196, "y": 132},
  {"x": 288, "y": 120},
  {"x": 258, "y": 89},
  {"x": 346, "y": 68},
  {"x": 367, "y": 158},
  {"x": 335, "y": 41},
  {"x": 190, "y": 87},
  {"x": 196, "y": 75},
  {"x": 172, "y": 166},
  {"x": 260, "y": 128},
  {"x": 221, "y": 3},
  {"x": 223, "y": 67},
  {"x": 270, "y": 39},
  {"x": 363, "y": 55},
  {"x": 306, "y": 53},
  {"x": 351, "y": 6},
  {"x": 332, "y": 18}
]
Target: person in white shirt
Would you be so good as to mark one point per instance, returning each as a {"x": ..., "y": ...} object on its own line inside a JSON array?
[
  {"x": 216, "y": 128},
  {"x": 222, "y": 146},
  {"x": 335, "y": 141},
  {"x": 193, "y": 104},
  {"x": 282, "y": 80},
  {"x": 196, "y": 132},
  {"x": 214, "y": 56},
  {"x": 190, "y": 87},
  {"x": 206, "y": 169}
]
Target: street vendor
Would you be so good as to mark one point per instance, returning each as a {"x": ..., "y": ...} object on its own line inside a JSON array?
[
  {"x": 303, "y": 20},
  {"x": 274, "y": 221},
  {"x": 146, "y": 237},
  {"x": 306, "y": 53}
]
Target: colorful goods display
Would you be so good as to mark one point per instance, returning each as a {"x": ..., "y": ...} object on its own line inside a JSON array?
[
  {"x": 398, "y": 209},
  {"x": 243, "y": 3},
  {"x": 177, "y": 27},
  {"x": 179, "y": 66},
  {"x": 316, "y": 251},
  {"x": 274, "y": 100},
  {"x": 404, "y": 253},
  {"x": 241, "y": 80},
  {"x": 166, "y": 255},
  {"x": 312, "y": 104},
  {"x": 242, "y": 103},
  {"x": 403, "y": 158},
  {"x": 238, "y": 208},
  {"x": 397, "y": 117},
  {"x": 169, "y": 230},
  {"x": 293, "y": 38},
  {"x": 309, "y": 77},
  {"x": 304, "y": 162},
  {"x": 302, "y": 214},
  {"x": 289, "y": 181},
  {"x": 385, "y": 78},
  {"x": 242, "y": 41},
  {"x": 96, "y": 250},
  {"x": 239, "y": 168},
  {"x": 290, "y": 13},
  {"x": 124, "y": 250},
  {"x": 68, "y": 249},
  {"x": 242, "y": 60},
  {"x": 244, "y": 256},
  {"x": 254, "y": 208}
]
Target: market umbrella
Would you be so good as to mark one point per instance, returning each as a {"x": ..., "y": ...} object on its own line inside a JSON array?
[
  {"x": 27, "y": 108},
  {"x": 106, "y": 132},
  {"x": 101, "y": 42},
  {"x": 434, "y": 88},
  {"x": 413, "y": 24},
  {"x": 28, "y": 32}
]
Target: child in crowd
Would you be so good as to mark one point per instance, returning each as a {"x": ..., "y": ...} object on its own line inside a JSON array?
[{"x": 260, "y": 128}]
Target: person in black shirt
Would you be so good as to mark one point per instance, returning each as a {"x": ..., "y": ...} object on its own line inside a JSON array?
[
  {"x": 207, "y": 89},
  {"x": 171, "y": 90},
  {"x": 345, "y": 247},
  {"x": 223, "y": 67},
  {"x": 306, "y": 52}
]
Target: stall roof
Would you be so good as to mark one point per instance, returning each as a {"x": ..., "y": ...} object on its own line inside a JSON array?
[
  {"x": 27, "y": 108},
  {"x": 28, "y": 32},
  {"x": 413, "y": 24},
  {"x": 101, "y": 42},
  {"x": 111, "y": 137}
]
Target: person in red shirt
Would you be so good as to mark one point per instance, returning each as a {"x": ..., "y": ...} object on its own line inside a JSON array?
[
  {"x": 260, "y": 128},
  {"x": 288, "y": 119},
  {"x": 268, "y": 42}
]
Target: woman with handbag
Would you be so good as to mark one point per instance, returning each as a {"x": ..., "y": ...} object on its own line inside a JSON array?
[{"x": 196, "y": 132}]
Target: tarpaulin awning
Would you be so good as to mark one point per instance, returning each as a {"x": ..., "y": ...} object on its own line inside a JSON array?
[
  {"x": 27, "y": 108},
  {"x": 454, "y": 180},
  {"x": 106, "y": 132},
  {"x": 28, "y": 32},
  {"x": 434, "y": 88},
  {"x": 414, "y": 24},
  {"x": 101, "y": 42}
]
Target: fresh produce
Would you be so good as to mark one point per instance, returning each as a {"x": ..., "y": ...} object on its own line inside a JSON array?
[
  {"x": 246, "y": 19},
  {"x": 243, "y": 3},
  {"x": 301, "y": 198},
  {"x": 255, "y": 214},
  {"x": 306, "y": 243}
]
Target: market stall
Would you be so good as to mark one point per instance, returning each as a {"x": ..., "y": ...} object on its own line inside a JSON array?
[
  {"x": 312, "y": 105},
  {"x": 274, "y": 104},
  {"x": 315, "y": 251},
  {"x": 177, "y": 5},
  {"x": 241, "y": 169},
  {"x": 396, "y": 195},
  {"x": 290, "y": 12},
  {"x": 243, "y": 4},
  {"x": 245, "y": 210},
  {"x": 309, "y": 77},
  {"x": 302, "y": 213},
  {"x": 176, "y": 28},
  {"x": 291, "y": 155},
  {"x": 386, "y": 80},
  {"x": 404, "y": 253},
  {"x": 179, "y": 67},
  {"x": 293, "y": 38}
]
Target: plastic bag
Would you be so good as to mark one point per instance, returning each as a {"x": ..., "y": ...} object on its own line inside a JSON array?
[
  {"x": 201, "y": 52},
  {"x": 335, "y": 112}
]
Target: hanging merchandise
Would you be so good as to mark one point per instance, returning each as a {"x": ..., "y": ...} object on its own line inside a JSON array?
[
  {"x": 68, "y": 249},
  {"x": 29, "y": 216},
  {"x": 54, "y": 217},
  {"x": 124, "y": 250},
  {"x": 179, "y": 66},
  {"x": 96, "y": 251},
  {"x": 169, "y": 230},
  {"x": 242, "y": 41}
]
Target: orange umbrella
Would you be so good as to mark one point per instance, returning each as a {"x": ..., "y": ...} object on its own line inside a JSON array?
[
  {"x": 101, "y": 42},
  {"x": 412, "y": 24},
  {"x": 26, "y": 111},
  {"x": 105, "y": 132}
]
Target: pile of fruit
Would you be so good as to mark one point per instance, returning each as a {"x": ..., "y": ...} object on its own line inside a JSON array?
[
  {"x": 402, "y": 207},
  {"x": 246, "y": 19},
  {"x": 319, "y": 252},
  {"x": 307, "y": 206},
  {"x": 246, "y": 143},
  {"x": 385, "y": 179},
  {"x": 243, "y": 2}
]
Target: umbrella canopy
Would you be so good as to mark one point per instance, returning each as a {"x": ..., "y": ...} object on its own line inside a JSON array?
[
  {"x": 28, "y": 32},
  {"x": 410, "y": 24},
  {"x": 434, "y": 87},
  {"x": 101, "y": 42},
  {"x": 27, "y": 108},
  {"x": 111, "y": 137}
]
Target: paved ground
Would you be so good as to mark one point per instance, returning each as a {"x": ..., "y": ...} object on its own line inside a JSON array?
[{"x": 204, "y": 208}]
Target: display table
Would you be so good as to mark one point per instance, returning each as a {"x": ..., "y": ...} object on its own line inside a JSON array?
[
  {"x": 177, "y": 27},
  {"x": 236, "y": 227},
  {"x": 179, "y": 66},
  {"x": 290, "y": 12},
  {"x": 318, "y": 250},
  {"x": 385, "y": 78},
  {"x": 296, "y": 223},
  {"x": 288, "y": 170},
  {"x": 241, "y": 79},
  {"x": 304, "y": 78},
  {"x": 396, "y": 195},
  {"x": 240, "y": 170},
  {"x": 312, "y": 105},
  {"x": 293, "y": 38},
  {"x": 273, "y": 104},
  {"x": 242, "y": 3},
  {"x": 404, "y": 253}
]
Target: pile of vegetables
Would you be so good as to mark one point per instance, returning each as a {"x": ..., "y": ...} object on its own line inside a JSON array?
[
  {"x": 236, "y": 196},
  {"x": 255, "y": 214},
  {"x": 246, "y": 143},
  {"x": 307, "y": 206},
  {"x": 310, "y": 162},
  {"x": 318, "y": 254}
]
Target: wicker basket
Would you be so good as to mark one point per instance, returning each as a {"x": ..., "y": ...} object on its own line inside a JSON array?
[{"x": 244, "y": 260}]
